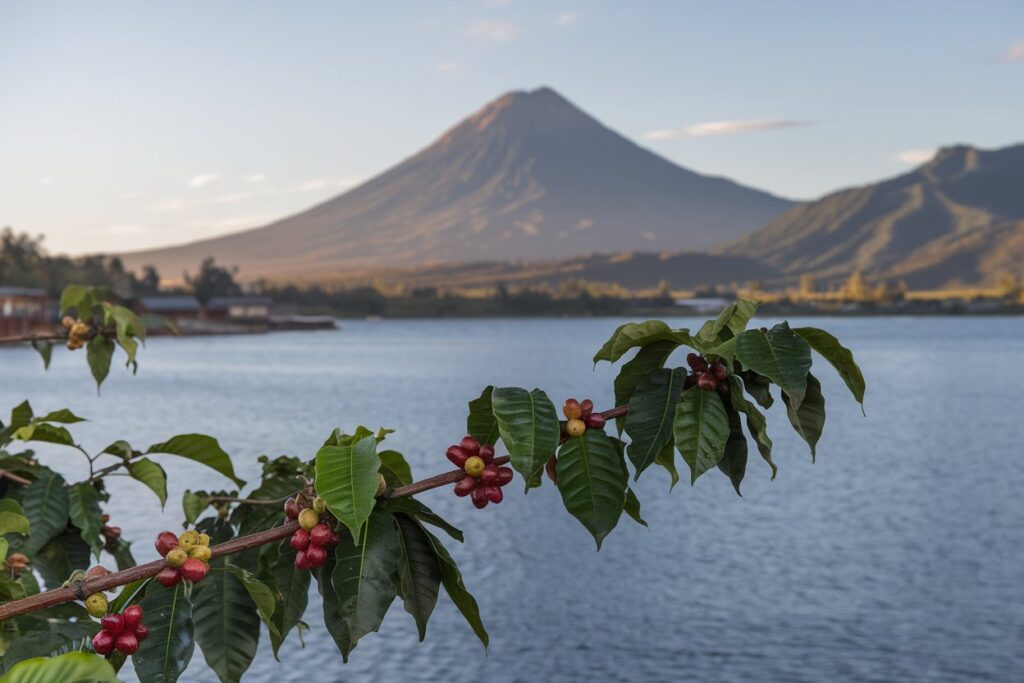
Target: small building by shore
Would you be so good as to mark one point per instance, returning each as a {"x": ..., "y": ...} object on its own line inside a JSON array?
[{"x": 25, "y": 311}]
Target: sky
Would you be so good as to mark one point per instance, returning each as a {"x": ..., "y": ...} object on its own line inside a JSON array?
[{"x": 130, "y": 125}]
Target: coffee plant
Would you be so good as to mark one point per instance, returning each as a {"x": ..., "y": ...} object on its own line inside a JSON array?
[{"x": 349, "y": 518}]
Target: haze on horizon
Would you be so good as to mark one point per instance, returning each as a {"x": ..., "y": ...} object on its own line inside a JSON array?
[{"x": 133, "y": 127}]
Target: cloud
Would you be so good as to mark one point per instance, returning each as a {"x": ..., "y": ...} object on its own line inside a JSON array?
[
  {"x": 173, "y": 204},
  {"x": 493, "y": 30},
  {"x": 566, "y": 19},
  {"x": 45, "y": 181},
  {"x": 1015, "y": 53},
  {"x": 124, "y": 229},
  {"x": 723, "y": 128},
  {"x": 324, "y": 183},
  {"x": 202, "y": 179},
  {"x": 448, "y": 67},
  {"x": 915, "y": 156},
  {"x": 254, "y": 178}
]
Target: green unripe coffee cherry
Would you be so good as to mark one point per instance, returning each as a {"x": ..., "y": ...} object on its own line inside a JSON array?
[
  {"x": 308, "y": 519},
  {"x": 201, "y": 553},
  {"x": 188, "y": 540},
  {"x": 474, "y": 465},
  {"x": 177, "y": 557},
  {"x": 96, "y": 605},
  {"x": 319, "y": 505}
]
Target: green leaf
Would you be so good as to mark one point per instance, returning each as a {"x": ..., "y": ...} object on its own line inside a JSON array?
[
  {"x": 82, "y": 298},
  {"x": 227, "y": 625},
  {"x": 415, "y": 508},
  {"x": 147, "y": 472},
  {"x": 734, "y": 461},
  {"x": 73, "y": 667},
  {"x": 839, "y": 356},
  {"x": 759, "y": 388},
  {"x": 346, "y": 478},
  {"x": 809, "y": 419},
  {"x": 129, "y": 594},
  {"x": 65, "y": 553},
  {"x": 64, "y": 416},
  {"x": 651, "y": 412},
  {"x": 98, "y": 353},
  {"x": 193, "y": 504},
  {"x": 364, "y": 575},
  {"x": 451, "y": 579},
  {"x": 648, "y": 359},
  {"x": 333, "y": 617},
  {"x": 45, "y": 503},
  {"x": 757, "y": 425},
  {"x": 701, "y": 430},
  {"x": 666, "y": 459},
  {"x": 419, "y": 573},
  {"x": 45, "y": 433},
  {"x": 632, "y": 507},
  {"x": 781, "y": 355},
  {"x": 292, "y": 594},
  {"x": 481, "y": 423},
  {"x": 395, "y": 469},
  {"x": 12, "y": 520},
  {"x": 529, "y": 428},
  {"x": 202, "y": 449},
  {"x": 592, "y": 482},
  {"x": 631, "y": 335},
  {"x": 730, "y": 323},
  {"x": 84, "y": 511},
  {"x": 45, "y": 351},
  {"x": 260, "y": 593},
  {"x": 165, "y": 654},
  {"x": 120, "y": 448},
  {"x": 127, "y": 326}
]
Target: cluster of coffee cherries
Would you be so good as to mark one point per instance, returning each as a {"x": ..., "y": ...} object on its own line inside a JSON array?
[
  {"x": 580, "y": 416},
  {"x": 78, "y": 332},
  {"x": 484, "y": 479},
  {"x": 187, "y": 556},
  {"x": 314, "y": 536},
  {"x": 17, "y": 563},
  {"x": 111, "y": 534},
  {"x": 122, "y": 632},
  {"x": 710, "y": 377}
]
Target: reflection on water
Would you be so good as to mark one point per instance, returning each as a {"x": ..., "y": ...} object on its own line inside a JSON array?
[{"x": 896, "y": 557}]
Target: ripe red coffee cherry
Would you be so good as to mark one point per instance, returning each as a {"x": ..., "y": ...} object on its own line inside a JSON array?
[
  {"x": 587, "y": 406},
  {"x": 316, "y": 555},
  {"x": 168, "y": 576},
  {"x": 487, "y": 454},
  {"x": 335, "y": 539},
  {"x": 103, "y": 643},
  {"x": 720, "y": 371},
  {"x": 479, "y": 498},
  {"x": 707, "y": 381},
  {"x": 723, "y": 388},
  {"x": 465, "y": 486},
  {"x": 504, "y": 475},
  {"x": 141, "y": 633},
  {"x": 493, "y": 494},
  {"x": 112, "y": 532},
  {"x": 193, "y": 570},
  {"x": 470, "y": 445},
  {"x": 104, "y": 518},
  {"x": 112, "y": 623},
  {"x": 575, "y": 427},
  {"x": 572, "y": 409},
  {"x": 696, "y": 363},
  {"x": 300, "y": 539},
  {"x": 489, "y": 475},
  {"x": 98, "y": 570},
  {"x": 302, "y": 561},
  {"x": 457, "y": 456},
  {"x": 320, "y": 535},
  {"x": 127, "y": 643},
  {"x": 166, "y": 542},
  {"x": 595, "y": 421},
  {"x": 132, "y": 617},
  {"x": 291, "y": 509}
]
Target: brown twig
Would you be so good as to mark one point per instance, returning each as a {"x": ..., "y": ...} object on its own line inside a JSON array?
[
  {"x": 107, "y": 582},
  {"x": 35, "y": 337},
  {"x": 17, "y": 479}
]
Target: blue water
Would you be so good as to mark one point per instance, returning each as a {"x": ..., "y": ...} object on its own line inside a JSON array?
[{"x": 899, "y": 555}]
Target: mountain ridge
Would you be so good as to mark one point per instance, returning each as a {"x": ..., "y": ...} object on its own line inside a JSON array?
[{"x": 530, "y": 176}]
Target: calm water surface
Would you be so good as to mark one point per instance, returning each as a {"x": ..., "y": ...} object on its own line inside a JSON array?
[{"x": 898, "y": 556}]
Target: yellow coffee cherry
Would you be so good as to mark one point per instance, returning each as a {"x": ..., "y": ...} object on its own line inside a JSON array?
[
  {"x": 96, "y": 605},
  {"x": 575, "y": 427},
  {"x": 474, "y": 465},
  {"x": 188, "y": 539},
  {"x": 319, "y": 505},
  {"x": 79, "y": 330},
  {"x": 308, "y": 519},
  {"x": 204, "y": 539},
  {"x": 201, "y": 553},
  {"x": 177, "y": 557}
]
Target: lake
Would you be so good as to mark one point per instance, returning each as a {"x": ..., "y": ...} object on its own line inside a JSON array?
[{"x": 899, "y": 555}]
